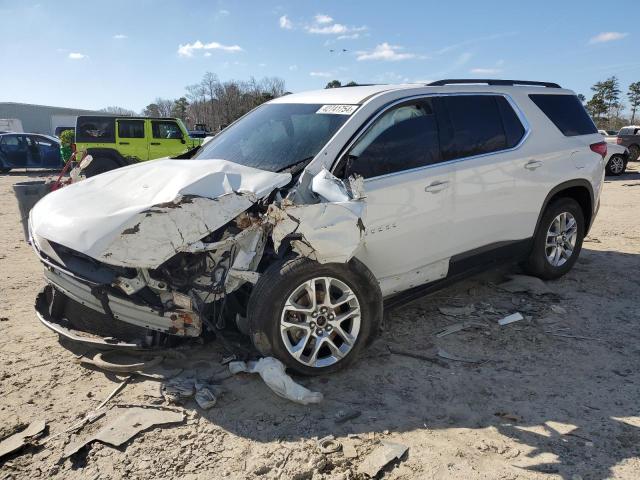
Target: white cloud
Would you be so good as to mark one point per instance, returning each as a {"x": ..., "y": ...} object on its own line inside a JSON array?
[
  {"x": 352, "y": 36},
  {"x": 322, "y": 19},
  {"x": 607, "y": 37},
  {"x": 321, "y": 74},
  {"x": 334, "y": 29},
  {"x": 224, "y": 12},
  {"x": 387, "y": 52},
  {"x": 120, "y": 36},
  {"x": 485, "y": 71},
  {"x": 187, "y": 49},
  {"x": 77, "y": 56},
  {"x": 285, "y": 23},
  {"x": 293, "y": 68}
]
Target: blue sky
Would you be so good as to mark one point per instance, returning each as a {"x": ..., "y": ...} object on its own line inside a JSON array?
[{"x": 89, "y": 54}]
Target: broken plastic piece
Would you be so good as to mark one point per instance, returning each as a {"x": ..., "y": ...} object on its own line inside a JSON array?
[
  {"x": 514, "y": 317},
  {"x": 272, "y": 372},
  {"x": 525, "y": 283},
  {"x": 122, "y": 424},
  {"x": 20, "y": 439},
  {"x": 457, "y": 327},
  {"x": 380, "y": 457}
]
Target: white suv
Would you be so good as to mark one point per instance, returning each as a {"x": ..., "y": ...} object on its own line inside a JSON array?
[{"x": 301, "y": 219}]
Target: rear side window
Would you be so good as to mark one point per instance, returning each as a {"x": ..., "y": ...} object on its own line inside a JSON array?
[
  {"x": 95, "y": 129},
  {"x": 131, "y": 128},
  {"x": 403, "y": 138},
  {"x": 163, "y": 129},
  {"x": 476, "y": 124},
  {"x": 566, "y": 112}
]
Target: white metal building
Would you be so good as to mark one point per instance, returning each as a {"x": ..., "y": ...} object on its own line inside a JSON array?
[{"x": 42, "y": 118}]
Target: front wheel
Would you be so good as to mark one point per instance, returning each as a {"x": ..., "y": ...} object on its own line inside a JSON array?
[
  {"x": 558, "y": 241},
  {"x": 616, "y": 165},
  {"x": 634, "y": 152},
  {"x": 314, "y": 317}
]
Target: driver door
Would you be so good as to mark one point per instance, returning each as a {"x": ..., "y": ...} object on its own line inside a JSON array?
[
  {"x": 408, "y": 195},
  {"x": 166, "y": 139}
]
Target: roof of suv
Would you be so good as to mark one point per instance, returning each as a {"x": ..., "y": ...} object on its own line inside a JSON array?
[{"x": 359, "y": 94}]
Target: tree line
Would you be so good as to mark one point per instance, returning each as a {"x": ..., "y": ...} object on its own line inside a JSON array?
[
  {"x": 211, "y": 102},
  {"x": 606, "y": 105}
]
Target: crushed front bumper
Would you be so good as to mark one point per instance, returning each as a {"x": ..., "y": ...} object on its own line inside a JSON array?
[{"x": 83, "y": 313}]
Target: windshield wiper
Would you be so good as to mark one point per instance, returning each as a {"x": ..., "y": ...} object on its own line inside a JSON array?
[{"x": 297, "y": 167}]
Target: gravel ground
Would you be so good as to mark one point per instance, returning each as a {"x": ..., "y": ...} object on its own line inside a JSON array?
[{"x": 533, "y": 405}]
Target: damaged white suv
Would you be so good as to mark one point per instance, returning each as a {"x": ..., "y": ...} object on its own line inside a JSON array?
[{"x": 300, "y": 220}]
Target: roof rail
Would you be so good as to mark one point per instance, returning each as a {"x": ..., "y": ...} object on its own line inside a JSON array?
[{"x": 471, "y": 81}]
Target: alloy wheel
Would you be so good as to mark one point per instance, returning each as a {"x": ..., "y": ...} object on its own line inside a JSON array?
[
  {"x": 616, "y": 165},
  {"x": 561, "y": 239},
  {"x": 320, "y": 322}
]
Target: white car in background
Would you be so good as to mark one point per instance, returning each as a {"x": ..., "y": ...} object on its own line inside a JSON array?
[
  {"x": 616, "y": 159},
  {"x": 303, "y": 218}
]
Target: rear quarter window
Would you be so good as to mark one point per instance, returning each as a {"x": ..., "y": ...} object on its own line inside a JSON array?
[
  {"x": 95, "y": 129},
  {"x": 566, "y": 112}
]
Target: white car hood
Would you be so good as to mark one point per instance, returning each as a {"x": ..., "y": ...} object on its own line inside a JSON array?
[{"x": 143, "y": 214}]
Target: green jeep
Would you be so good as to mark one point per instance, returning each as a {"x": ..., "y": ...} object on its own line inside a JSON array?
[{"x": 118, "y": 141}]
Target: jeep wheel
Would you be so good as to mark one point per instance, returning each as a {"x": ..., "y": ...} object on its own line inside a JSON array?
[
  {"x": 634, "y": 152},
  {"x": 100, "y": 165},
  {"x": 558, "y": 241},
  {"x": 616, "y": 165},
  {"x": 314, "y": 317}
]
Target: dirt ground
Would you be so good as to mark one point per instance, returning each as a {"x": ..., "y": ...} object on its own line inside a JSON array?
[{"x": 535, "y": 405}]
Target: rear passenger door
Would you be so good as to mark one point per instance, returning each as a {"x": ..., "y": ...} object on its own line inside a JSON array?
[
  {"x": 166, "y": 139},
  {"x": 479, "y": 134},
  {"x": 131, "y": 140},
  {"x": 408, "y": 197}
]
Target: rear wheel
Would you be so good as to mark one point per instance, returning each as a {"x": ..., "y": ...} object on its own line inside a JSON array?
[
  {"x": 558, "y": 241},
  {"x": 100, "y": 165},
  {"x": 314, "y": 317},
  {"x": 616, "y": 165},
  {"x": 634, "y": 152}
]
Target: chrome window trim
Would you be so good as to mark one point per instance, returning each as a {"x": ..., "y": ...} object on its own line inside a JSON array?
[{"x": 519, "y": 113}]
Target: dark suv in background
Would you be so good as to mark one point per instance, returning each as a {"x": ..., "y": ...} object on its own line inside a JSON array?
[{"x": 630, "y": 137}]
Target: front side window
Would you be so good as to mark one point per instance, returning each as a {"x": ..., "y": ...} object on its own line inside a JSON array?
[
  {"x": 131, "y": 128},
  {"x": 473, "y": 125},
  {"x": 167, "y": 130},
  {"x": 403, "y": 138},
  {"x": 276, "y": 137}
]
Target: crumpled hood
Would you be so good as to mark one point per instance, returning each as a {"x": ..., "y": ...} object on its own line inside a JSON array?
[{"x": 141, "y": 215}]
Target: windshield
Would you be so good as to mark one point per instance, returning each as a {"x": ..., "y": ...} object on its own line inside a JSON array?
[{"x": 274, "y": 137}]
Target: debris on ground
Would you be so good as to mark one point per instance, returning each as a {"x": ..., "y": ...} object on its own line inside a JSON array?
[
  {"x": 577, "y": 337},
  {"x": 457, "y": 311},
  {"x": 273, "y": 374},
  {"x": 380, "y": 457},
  {"x": 418, "y": 356},
  {"x": 525, "y": 284},
  {"x": 18, "y": 440},
  {"x": 99, "y": 362},
  {"x": 329, "y": 444},
  {"x": 514, "y": 317},
  {"x": 207, "y": 395},
  {"x": 124, "y": 423},
  {"x": 346, "y": 415},
  {"x": 349, "y": 447},
  {"x": 457, "y": 327},
  {"x": 508, "y": 416},
  {"x": 449, "y": 356},
  {"x": 178, "y": 390},
  {"x": 558, "y": 309}
]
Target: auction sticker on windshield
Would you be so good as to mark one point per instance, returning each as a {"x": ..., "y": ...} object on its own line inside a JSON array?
[{"x": 338, "y": 109}]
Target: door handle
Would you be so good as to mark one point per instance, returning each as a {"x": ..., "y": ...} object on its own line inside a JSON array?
[
  {"x": 436, "y": 186},
  {"x": 154, "y": 143},
  {"x": 533, "y": 164},
  {"x": 124, "y": 143}
]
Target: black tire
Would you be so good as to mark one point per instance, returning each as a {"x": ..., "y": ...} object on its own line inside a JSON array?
[
  {"x": 280, "y": 280},
  {"x": 613, "y": 165},
  {"x": 634, "y": 152},
  {"x": 5, "y": 169},
  {"x": 537, "y": 263},
  {"x": 100, "y": 165}
]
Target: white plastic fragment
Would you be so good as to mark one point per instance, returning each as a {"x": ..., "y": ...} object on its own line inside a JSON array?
[
  {"x": 272, "y": 372},
  {"x": 514, "y": 317}
]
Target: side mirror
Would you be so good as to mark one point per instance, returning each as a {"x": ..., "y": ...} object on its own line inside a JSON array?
[{"x": 86, "y": 161}]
